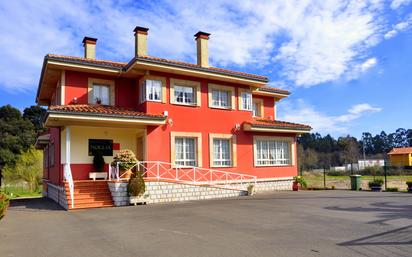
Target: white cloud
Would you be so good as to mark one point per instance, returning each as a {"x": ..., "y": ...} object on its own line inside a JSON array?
[
  {"x": 304, "y": 43},
  {"x": 301, "y": 112},
  {"x": 399, "y": 27},
  {"x": 369, "y": 63},
  {"x": 398, "y": 3}
]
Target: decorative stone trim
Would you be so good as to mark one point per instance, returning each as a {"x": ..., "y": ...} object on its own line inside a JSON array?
[{"x": 57, "y": 194}]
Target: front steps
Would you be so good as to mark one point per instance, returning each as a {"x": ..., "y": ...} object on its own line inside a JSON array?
[{"x": 89, "y": 194}]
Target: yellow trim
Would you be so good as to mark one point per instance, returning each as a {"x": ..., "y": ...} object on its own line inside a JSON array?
[
  {"x": 229, "y": 89},
  {"x": 106, "y": 82},
  {"x": 233, "y": 149},
  {"x": 240, "y": 98},
  {"x": 151, "y": 77},
  {"x": 196, "y": 135},
  {"x": 62, "y": 87},
  {"x": 292, "y": 149},
  {"x": 83, "y": 66},
  {"x": 264, "y": 93},
  {"x": 259, "y": 102},
  {"x": 185, "y": 83}
]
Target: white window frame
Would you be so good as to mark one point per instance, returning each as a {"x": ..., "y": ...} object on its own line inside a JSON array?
[
  {"x": 149, "y": 89},
  {"x": 198, "y": 146},
  {"x": 219, "y": 102},
  {"x": 232, "y": 149},
  {"x": 230, "y": 91},
  {"x": 245, "y": 100},
  {"x": 144, "y": 93},
  {"x": 195, "y": 85},
  {"x": 263, "y": 159},
  {"x": 186, "y": 162},
  {"x": 220, "y": 161},
  {"x": 100, "y": 88},
  {"x": 184, "y": 96},
  {"x": 92, "y": 82}
]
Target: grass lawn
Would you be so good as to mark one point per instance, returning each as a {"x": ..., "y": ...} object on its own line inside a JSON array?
[
  {"x": 16, "y": 192},
  {"x": 343, "y": 182}
]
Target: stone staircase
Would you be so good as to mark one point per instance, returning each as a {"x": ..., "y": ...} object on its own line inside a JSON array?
[{"x": 89, "y": 194}]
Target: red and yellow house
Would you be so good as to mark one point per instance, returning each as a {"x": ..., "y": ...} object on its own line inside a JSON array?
[{"x": 191, "y": 115}]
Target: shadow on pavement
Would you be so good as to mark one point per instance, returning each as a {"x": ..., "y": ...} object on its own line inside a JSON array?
[{"x": 34, "y": 204}]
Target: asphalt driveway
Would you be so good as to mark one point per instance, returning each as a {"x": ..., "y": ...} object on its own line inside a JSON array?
[{"x": 323, "y": 223}]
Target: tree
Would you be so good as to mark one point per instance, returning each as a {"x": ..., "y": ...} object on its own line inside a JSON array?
[
  {"x": 401, "y": 139},
  {"x": 350, "y": 149},
  {"x": 28, "y": 168},
  {"x": 35, "y": 114},
  {"x": 16, "y": 135}
]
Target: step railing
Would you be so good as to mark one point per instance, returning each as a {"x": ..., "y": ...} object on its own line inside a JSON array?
[
  {"x": 67, "y": 173},
  {"x": 164, "y": 171}
]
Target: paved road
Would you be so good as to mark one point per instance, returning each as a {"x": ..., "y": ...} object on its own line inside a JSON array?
[{"x": 323, "y": 223}]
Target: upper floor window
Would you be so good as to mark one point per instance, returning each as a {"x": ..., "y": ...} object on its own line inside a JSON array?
[
  {"x": 152, "y": 90},
  {"x": 246, "y": 101},
  {"x": 101, "y": 94},
  {"x": 184, "y": 95},
  {"x": 101, "y": 91},
  {"x": 257, "y": 107},
  {"x": 221, "y": 97}
]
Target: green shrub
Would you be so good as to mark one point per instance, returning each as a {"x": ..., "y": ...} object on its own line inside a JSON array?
[
  {"x": 392, "y": 189},
  {"x": 335, "y": 173},
  {"x": 333, "y": 187},
  {"x": 98, "y": 162},
  {"x": 409, "y": 183},
  {"x": 136, "y": 185},
  {"x": 375, "y": 183},
  {"x": 126, "y": 159},
  {"x": 4, "y": 204},
  {"x": 300, "y": 180}
]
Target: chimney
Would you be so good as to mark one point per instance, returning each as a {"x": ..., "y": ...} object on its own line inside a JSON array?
[
  {"x": 202, "y": 49},
  {"x": 89, "y": 44},
  {"x": 140, "y": 35}
]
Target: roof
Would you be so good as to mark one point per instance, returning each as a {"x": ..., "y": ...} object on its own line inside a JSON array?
[
  {"x": 273, "y": 90},
  {"x": 401, "y": 150},
  {"x": 277, "y": 124},
  {"x": 123, "y": 65},
  {"x": 102, "y": 110}
]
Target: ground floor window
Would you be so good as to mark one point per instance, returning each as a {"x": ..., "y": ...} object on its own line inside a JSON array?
[
  {"x": 271, "y": 152},
  {"x": 221, "y": 152},
  {"x": 185, "y": 151}
]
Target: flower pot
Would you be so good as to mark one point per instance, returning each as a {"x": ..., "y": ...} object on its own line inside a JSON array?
[
  {"x": 376, "y": 188},
  {"x": 295, "y": 186},
  {"x": 410, "y": 189},
  {"x": 126, "y": 174},
  {"x": 138, "y": 199}
]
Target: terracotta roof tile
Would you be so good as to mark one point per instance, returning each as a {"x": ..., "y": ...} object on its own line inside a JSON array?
[
  {"x": 195, "y": 66},
  {"x": 401, "y": 150},
  {"x": 85, "y": 60},
  {"x": 277, "y": 124},
  {"x": 274, "y": 90},
  {"x": 101, "y": 110}
]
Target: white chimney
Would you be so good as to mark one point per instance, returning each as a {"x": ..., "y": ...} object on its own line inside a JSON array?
[
  {"x": 140, "y": 35},
  {"x": 202, "y": 39},
  {"x": 89, "y": 44}
]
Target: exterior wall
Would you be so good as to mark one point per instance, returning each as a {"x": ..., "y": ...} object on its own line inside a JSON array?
[
  {"x": 57, "y": 194},
  {"x": 401, "y": 159},
  {"x": 55, "y": 174},
  {"x": 81, "y": 163}
]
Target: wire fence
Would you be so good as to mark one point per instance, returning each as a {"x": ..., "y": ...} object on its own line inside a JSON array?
[{"x": 394, "y": 178}]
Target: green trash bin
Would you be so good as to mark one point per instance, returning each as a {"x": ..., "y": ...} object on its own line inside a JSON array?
[{"x": 355, "y": 182}]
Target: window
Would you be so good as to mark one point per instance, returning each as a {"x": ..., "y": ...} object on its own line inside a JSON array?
[
  {"x": 184, "y": 95},
  {"x": 101, "y": 94},
  {"x": 270, "y": 152},
  {"x": 220, "y": 99},
  {"x": 101, "y": 91},
  {"x": 257, "y": 107},
  {"x": 185, "y": 151},
  {"x": 152, "y": 90},
  {"x": 222, "y": 149},
  {"x": 221, "y": 152},
  {"x": 246, "y": 101},
  {"x": 51, "y": 155}
]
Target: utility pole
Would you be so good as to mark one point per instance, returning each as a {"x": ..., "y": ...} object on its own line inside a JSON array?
[{"x": 363, "y": 146}]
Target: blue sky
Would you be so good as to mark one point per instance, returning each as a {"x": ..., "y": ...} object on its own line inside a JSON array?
[{"x": 347, "y": 63}]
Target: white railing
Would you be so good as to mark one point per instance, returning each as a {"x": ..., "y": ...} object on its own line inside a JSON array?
[
  {"x": 163, "y": 171},
  {"x": 69, "y": 179}
]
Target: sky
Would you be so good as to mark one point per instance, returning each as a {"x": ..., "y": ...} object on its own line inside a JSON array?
[{"x": 347, "y": 63}]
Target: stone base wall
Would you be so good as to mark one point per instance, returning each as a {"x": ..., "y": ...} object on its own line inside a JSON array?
[
  {"x": 57, "y": 194},
  {"x": 161, "y": 192},
  {"x": 278, "y": 184}
]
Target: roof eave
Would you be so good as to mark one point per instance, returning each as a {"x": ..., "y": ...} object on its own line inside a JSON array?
[{"x": 275, "y": 129}]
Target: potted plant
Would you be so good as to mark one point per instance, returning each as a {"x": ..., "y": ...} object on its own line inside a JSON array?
[
  {"x": 298, "y": 180},
  {"x": 126, "y": 160},
  {"x": 409, "y": 183},
  {"x": 251, "y": 189},
  {"x": 136, "y": 188},
  {"x": 376, "y": 185},
  {"x": 4, "y": 204},
  {"x": 98, "y": 165}
]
